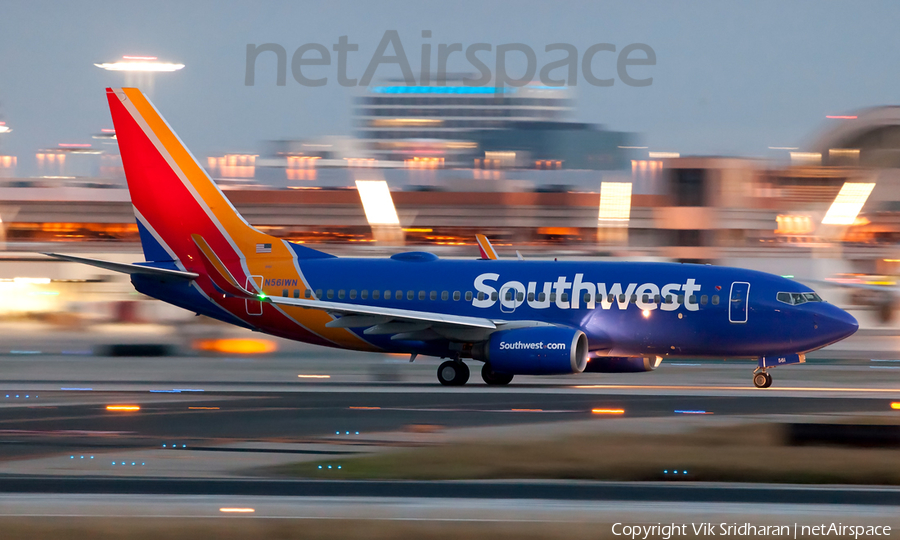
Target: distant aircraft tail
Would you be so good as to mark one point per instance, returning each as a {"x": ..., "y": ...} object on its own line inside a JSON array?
[{"x": 174, "y": 198}]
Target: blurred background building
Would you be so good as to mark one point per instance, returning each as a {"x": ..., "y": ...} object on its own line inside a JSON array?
[{"x": 506, "y": 162}]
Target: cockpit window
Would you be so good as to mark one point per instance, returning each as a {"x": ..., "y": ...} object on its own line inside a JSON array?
[{"x": 795, "y": 299}]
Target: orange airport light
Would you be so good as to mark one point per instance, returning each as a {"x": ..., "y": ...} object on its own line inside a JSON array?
[
  {"x": 607, "y": 411},
  {"x": 237, "y": 346},
  {"x": 895, "y": 405},
  {"x": 123, "y": 408}
]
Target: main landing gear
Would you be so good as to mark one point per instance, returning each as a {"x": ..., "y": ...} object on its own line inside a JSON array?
[
  {"x": 762, "y": 379},
  {"x": 493, "y": 378},
  {"x": 453, "y": 373}
]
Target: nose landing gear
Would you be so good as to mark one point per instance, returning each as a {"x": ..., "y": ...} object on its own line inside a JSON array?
[{"x": 762, "y": 379}]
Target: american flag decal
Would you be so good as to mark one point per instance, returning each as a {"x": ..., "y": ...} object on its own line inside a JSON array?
[{"x": 264, "y": 248}]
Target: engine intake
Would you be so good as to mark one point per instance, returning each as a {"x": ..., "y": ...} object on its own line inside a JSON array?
[{"x": 543, "y": 350}]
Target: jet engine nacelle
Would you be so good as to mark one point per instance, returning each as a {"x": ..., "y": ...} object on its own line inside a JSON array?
[
  {"x": 622, "y": 364},
  {"x": 541, "y": 350}
]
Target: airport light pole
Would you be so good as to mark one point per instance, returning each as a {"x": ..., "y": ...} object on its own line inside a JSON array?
[{"x": 141, "y": 71}]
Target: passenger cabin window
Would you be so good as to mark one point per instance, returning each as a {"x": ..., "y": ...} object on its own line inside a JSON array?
[
  {"x": 433, "y": 295},
  {"x": 352, "y": 294},
  {"x": 399, "y": 295},
  {"x": 715, "y": 300},
  {"x": 341, "y": 294},
  {"x": 704, "y": 300},
  {"x": 564, "y": 297},
  {"x": 494, "y": 296},
  {"x": 456, "y": 296},
  {"x": 307, "y": 293},
  {"x": 377, "y": 294},
  {"x": 692, "y": 299},
  {"x": 410, "y": 295},
  {"x": 542, "y": 297},
  {"x": 445, "y": 295},
  {"x": 553, "y": 297},
  {"x": 520, "y": 296},
  {"x": 468, "y": 296},
  {"x": 586, "y": 298},
  {"x": 481, "y": 296},
  {"x": 795, "y": 299},
  {"x": 284, "y": 293},
  {"x": 330, "y": 294},
  {"x": 318, "y": 293},
  {"x": 364, "y": 294}
]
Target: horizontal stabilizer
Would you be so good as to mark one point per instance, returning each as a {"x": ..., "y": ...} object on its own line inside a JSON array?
[
  {"x": 126, "y": 268},
  {"x": 218, "y": 272}
]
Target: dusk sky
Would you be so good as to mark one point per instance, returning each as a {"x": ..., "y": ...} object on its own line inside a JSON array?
[{"x": 730, "y": 78}]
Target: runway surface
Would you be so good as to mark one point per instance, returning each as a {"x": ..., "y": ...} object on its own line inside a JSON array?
[
  {"x": 204, "y": 424},
  {"x": 548, "y": 490}
]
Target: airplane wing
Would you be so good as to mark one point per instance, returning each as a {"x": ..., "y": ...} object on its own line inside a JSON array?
[
  {"x": 126, "y": 268},
  {"x": 485, "y": 247},
  {"x": 376, "y": 318}
]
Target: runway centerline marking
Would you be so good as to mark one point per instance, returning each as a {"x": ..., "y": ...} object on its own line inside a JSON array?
[{"x": 744, "y": 388}]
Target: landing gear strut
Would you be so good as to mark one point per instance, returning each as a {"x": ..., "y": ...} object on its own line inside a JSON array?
[
  {"x": 453, "y": 373},
  {"x": 762, "y": 379},
  {"x": 493, "y": 378}
]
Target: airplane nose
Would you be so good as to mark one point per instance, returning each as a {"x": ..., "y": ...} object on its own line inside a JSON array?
[{"x": 838, "y": 324}]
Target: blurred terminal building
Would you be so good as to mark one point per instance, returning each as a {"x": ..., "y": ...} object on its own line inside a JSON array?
[{"x": 461, "y": 160}]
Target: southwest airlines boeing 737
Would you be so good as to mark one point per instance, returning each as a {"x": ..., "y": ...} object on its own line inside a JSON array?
[{"x": 515, "y": 316}]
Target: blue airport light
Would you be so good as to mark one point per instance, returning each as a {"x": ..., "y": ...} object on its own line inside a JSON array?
[
  {"x": 440, "y": 90},
  {"x": 329, "y": 466},
  {"x": 320, "y": 466}
]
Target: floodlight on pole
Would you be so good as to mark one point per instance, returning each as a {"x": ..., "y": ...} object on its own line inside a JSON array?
[
  {"x": 140, "y": 64},
  {"x": 377, "y": 202},
  {"x": 615, "y": 202},
  {"x": 848, "y": 203}
]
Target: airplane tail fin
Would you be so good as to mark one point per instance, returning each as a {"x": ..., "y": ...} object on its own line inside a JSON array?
[{"x": 173, "y": 196}]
